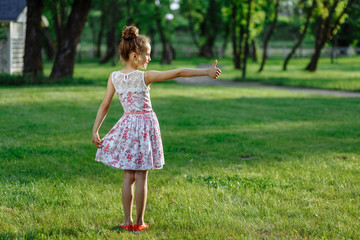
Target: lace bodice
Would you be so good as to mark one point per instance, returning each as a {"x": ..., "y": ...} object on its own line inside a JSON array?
[
  {"x": 130, "y": 82},
  {"x": 133, "y": 93}
]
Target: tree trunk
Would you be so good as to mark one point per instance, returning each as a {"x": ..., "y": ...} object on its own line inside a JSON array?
[
  {"x": 236, "y": 56},
  {"x": 49, "y": 45},
  {"x": 192, "y": 31},
  {"x": 112, "y": 11},
  {"x": 268, "y": 36},
  {"x": 240, "y": 43},
  {"x": 314, "y": 59},
  {"x": 32, "y": 58},
  {"x": 153, "y": 43},
  {"x": 209, "y": 30},
  {"x": 65, "y": 56},
  {"x": 302, "y": 35},
  {"x": 253, "y": 51},
  {"x": 206, "y": 49},
  {"x": 326, "y": 33},
  {"x": 333, "y": 50},
  {"x": 100, "y": 35},
  {"x": 248, "y": 18},
  {"x": 110, "y": 45},
  {"x": 59, "y": 20},
  {"x": 226, "y": 38},
  {"x": 166, "y": 55}
]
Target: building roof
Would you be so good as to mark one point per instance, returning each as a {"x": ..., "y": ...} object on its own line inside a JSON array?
[{"x": 10, "y": 10}]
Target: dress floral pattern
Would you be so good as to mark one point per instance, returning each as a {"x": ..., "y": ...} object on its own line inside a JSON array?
[{"x": 134, "y": 143}]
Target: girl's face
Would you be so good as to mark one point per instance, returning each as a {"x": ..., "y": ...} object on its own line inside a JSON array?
[{"x": 145, "y": 58}]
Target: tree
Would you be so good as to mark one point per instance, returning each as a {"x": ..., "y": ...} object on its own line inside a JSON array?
[
  {"x": 113, "y": 12},
  {"x": 205, "y": 18},
  {"x": 227, "y": 25},
  {"x": 253, "y": 53},
  {"x": 209, "y": 28},
  {"x": 350, "y": 29},
  {"x": 68, "y": 33},
  {"x": 247, "y": 37},
  {"x": 189, "y": 9},
  {"x": 32, "y": 58},
  {"x": 270, "y": 32},
  {"x": 244, "y": 31},
  {"x": 48, "y": 43},
  {"x": 301, "y": 35},
  {"x": 96, "y": 20},
  {"x": 237, "y": 44},
  {"x": 327, "y": 25},
  {"x": 167, "y": 54}
]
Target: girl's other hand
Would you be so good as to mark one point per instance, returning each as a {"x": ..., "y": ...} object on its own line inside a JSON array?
[
  {"x": 214, "y": 72},
  {"x": 96, "y": 140}
]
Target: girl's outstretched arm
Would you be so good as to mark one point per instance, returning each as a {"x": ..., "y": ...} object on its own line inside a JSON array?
[
  {"x": 102, "y": 112},
  {"x": 157, "y": 76}
]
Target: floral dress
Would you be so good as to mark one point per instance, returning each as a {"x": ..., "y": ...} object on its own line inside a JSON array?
[{"x": 134, "y": 143}]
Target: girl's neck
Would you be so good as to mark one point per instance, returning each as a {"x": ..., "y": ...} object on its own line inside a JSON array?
[{"x": 130, "y": 67}]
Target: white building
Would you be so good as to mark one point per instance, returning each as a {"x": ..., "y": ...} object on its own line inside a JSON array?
[{"x": 12, "y": 45}]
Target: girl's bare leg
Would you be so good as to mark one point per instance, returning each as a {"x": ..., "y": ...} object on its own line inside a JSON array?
[
  {"x": 140, "y": 195},
  {"x": 127, "y": 195}
]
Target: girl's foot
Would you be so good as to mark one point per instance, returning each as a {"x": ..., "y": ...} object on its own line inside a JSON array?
[
  {"x": 126, "y": 227},
  {"x": 138, "y": 228}
]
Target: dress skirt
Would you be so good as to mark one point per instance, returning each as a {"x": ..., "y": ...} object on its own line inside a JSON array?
[{"x": 134, "y": 143}]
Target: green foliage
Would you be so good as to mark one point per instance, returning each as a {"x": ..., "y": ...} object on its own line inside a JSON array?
[
  {"x": 349, "y": 35},
  {"x": 19, "y": 80},
  {"x": 322, "y": 11},
  {"x": 3, "y": 28},
  {"x": 7, "y": 79},
  {"x": 205, "y": 22}
]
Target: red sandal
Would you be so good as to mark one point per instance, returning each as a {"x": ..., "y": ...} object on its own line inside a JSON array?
[
  {"x": 127, "y": 227},
  {"x": 138, "y": 228}
]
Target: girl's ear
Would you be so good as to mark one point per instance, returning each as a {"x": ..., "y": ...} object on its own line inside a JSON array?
[{"x": 133, "y": 55}]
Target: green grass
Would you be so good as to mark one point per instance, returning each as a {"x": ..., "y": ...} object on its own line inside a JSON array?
[
  {"x": 342, "y": 75},
  {"x": 240, "y": 163}
]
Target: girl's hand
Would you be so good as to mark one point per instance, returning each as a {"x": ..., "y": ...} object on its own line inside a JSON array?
[
  {"x": 96, "y": 140},
  {"x": 214, "y": 72}
]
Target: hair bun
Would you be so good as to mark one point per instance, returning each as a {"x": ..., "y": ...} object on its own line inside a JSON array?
[{"x": 130, "y": 32}]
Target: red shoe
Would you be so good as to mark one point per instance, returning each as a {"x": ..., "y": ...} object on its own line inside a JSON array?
[
  {"x": 127, "y": 227},
  {"x": 138, "y": 228}
]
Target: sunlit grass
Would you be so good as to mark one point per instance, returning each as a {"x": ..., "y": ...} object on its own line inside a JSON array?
[
  {"x": 344, "y": 74},
  {"x": 240, "y": 163}
]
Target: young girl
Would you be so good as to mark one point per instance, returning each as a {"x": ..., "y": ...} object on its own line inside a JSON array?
[{"x": 134, "y": 143}]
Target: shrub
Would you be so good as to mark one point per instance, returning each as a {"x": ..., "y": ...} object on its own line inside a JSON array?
[{"x": 18, "y": 80}]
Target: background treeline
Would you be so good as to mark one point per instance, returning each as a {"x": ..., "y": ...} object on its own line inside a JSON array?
[{"x": 211, "y": 28}]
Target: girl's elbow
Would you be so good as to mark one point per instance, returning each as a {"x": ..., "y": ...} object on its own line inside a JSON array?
[
  {"x": 180, "y": 73},
  {"x": 105, "y": 107}
]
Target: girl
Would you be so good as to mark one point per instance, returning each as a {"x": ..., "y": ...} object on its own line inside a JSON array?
[{"x": 134, "y": 143}]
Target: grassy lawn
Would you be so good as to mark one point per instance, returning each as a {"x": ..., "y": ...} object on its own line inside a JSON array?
[
  {"x": 240, "y": 163},
  {"x": 344, "y": 74}
]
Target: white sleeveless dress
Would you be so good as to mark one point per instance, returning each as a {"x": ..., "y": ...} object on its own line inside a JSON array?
[{"x": 134, "y": 143}]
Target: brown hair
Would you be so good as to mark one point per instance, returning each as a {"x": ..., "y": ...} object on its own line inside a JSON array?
[{"x": 132, "y": 42}]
